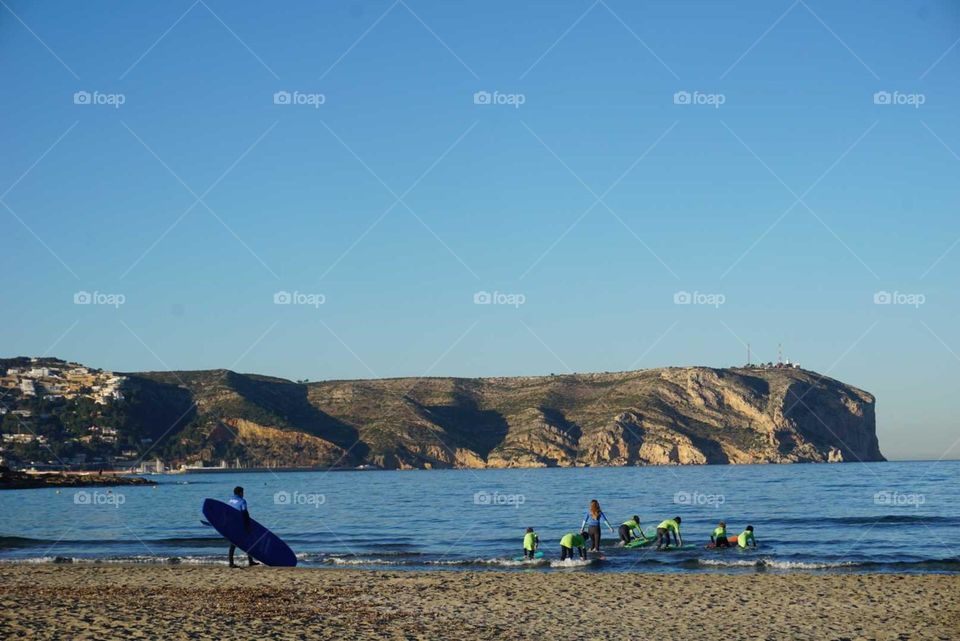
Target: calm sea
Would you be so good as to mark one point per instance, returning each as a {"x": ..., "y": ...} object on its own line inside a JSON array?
[{"x": 877, "y": 517}]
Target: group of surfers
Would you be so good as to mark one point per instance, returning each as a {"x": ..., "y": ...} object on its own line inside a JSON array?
[
  {"x": 589, "y": 531},
  {"x": 628, "y": 531}
]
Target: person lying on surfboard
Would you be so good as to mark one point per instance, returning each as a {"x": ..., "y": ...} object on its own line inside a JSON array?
[
  {"x": 629, "y": 529},
  {"x": 530, "y": 544},
  {"x": 591, "y": 524},
  {"x": 719, "y": 536},
  {"x": 664, "y": 530},
  {"x": 570, "y": 541},
  {"x": 746, "y": 537},
  {"x": 237, "y": 502}
]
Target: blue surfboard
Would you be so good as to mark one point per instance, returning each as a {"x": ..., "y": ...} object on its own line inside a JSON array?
[{"x": 257, "y": 541}]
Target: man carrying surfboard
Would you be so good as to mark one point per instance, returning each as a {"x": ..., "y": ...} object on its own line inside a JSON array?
[
  {"x": 237, "y": 502},
  {"x": 664, "y": 530}
]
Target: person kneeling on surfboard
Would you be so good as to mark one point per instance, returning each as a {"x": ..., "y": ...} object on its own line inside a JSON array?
[
  {"x": 663, "y": 532},
  {"x": 530, "y": 543},
  {"x": 719, "y": 536},
  {"x": 570, "y": 541},
  {"x": 629, "y": 529},
  {"x": 746, "y": 537},
  {"x": 237, "y": 502}
]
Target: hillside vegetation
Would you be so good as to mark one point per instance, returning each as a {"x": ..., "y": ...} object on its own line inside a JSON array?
[
  {"x": 689, "y": 415},
  {"x": 662, "y": 416}
]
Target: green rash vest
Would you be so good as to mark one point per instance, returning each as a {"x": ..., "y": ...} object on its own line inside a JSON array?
[
  {"x": 572, "y": 541},
  {"x": 669, "y": 524},
  {"x": 720, "y": 533},
  {"x": 529, "y": 541},
  {"x": 745, "y": 537}
]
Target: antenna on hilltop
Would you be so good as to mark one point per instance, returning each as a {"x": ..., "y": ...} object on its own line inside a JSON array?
[
  {"x": 779, "y": 353},
  {"x": 748, "y": 354}
]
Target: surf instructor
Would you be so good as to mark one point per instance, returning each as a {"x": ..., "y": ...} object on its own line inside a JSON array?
[
  {"x": 591, "y": 524},
  {"x": 237, "y": 502}
]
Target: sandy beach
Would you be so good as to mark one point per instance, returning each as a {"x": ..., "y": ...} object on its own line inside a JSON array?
[{"x": 138, "y": 602}]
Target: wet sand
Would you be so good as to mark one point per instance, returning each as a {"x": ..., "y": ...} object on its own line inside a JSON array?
[{"x": 198, "y": 603}]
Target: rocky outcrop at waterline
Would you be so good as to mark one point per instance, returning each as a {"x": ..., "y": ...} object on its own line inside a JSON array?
[{"x": 16, "y": 480}]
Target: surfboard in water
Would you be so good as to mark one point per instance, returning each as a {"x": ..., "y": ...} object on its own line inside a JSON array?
[
  {"x": 638, "y": 542},
  {"x": 536, "y": 555},
  {"x": 733, "y": 540},
  {"x": 257, "y": 541}
]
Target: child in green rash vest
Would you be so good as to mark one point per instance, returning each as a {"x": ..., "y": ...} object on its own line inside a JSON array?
[
  {"x": 664, "y": 530},
  {"x": 629, "y": 529},
  {"x": 530, "y": 543},
  {"x": 570, "y": 541},
  {"x": 746, "y": 537},
  {"x": 719, "y": 536}
]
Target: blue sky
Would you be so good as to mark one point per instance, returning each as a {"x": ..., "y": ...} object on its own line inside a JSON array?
[{"x": 781, "y": 190}]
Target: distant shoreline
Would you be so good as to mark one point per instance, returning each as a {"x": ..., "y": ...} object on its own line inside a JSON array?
[{"x": 72, "y": 478}]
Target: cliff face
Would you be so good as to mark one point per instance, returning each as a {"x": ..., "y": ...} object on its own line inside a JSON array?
[
  {"x": 653, "y": 417},
  {"x": 665, "y": 416}
]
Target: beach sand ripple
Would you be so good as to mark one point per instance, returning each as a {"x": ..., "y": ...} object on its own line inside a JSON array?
[{"x": 199, "y": 603}]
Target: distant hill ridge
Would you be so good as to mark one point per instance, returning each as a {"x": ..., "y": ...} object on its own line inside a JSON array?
[{"x": 674, "y": 415}]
